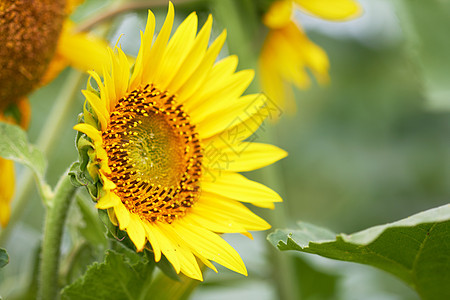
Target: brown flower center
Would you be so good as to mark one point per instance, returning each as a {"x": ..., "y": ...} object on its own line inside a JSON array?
[
  {"x": 29, "y": 32},
  {"x": 154, "y": 154}
]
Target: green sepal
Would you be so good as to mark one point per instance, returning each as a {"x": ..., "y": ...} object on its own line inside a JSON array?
[
  {"x": 13, "y": 111},
  {"x": 4, "y": 258},
  {"x": 113, "y": 231},
  {"x": 90, "y": 88},
  {"x": 92, "y": 166},
  {"x": 89, "y": 116},
  {"x": 93, "y": 190},
  {"x": 76, "y": 176},
  {"x": 83, "y": 146}
]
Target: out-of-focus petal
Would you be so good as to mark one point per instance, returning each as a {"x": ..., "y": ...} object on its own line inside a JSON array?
[{"x": 335, "y": 10}]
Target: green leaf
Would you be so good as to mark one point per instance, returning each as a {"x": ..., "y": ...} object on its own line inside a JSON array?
[
  {"x": 14, "y": 146},
  {"x": 4, "y": 258},
  {"x": 415, "y": 249},
  {"x": 115, "y": 278}
]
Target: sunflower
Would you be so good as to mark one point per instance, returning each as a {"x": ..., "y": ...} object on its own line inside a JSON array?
[
  {"x": 167, "y": 143},
  {"x": 38, "y": 41},
  {"x": 287, "y": 52}
]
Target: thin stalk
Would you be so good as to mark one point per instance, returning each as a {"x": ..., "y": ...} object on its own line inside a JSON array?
[
  {"x": 46, "y": 141},
  {"x": 121, "y": 9},
  {"x": 51, "y": 244},
  {"x": 282, "y": 263}
]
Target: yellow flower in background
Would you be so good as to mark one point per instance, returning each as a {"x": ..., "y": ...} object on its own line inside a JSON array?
[
  {"x": 37, "y": 42},
  {"x": 287, "y": 52},
  {"x": 167, "y": 144}
]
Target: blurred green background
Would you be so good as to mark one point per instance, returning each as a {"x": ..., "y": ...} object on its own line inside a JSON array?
[{"x": 371, "y": 147}]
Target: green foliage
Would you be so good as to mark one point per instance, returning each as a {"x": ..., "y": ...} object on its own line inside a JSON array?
[
  {"x": 92, "y": 229},
  {"x": 313, "y": 283},
  {"x": 115, "y": 278},
  {"x": 4, "y": 258},
  {"x": 426, "y": 27},
  {"x": 165, "y": 288},
  {"x": 415, "y": 249},
  {"x": 14, "y": 145}
]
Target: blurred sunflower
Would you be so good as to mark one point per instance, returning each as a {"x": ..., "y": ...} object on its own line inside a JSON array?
[
  {"x": 287, "y": 52},
  {"x": 37, "y": 41},
  {"x": 165, "y": 151}
]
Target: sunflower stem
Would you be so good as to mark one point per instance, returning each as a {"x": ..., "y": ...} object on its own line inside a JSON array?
[
  {"x": 282, "y": 264},
  {"x": 51, "y": 244}
]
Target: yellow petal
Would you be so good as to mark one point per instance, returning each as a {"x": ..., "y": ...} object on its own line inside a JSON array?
[
  {"x": 220, "y": 95},
  {"x": 188, "y": 263},
  {"x": 153, "y": 241},
  {"x": 81, "y": 50},
  {"x": 120, "y": 71},
  {"x": 210, "y": 246},
  {"x": 99, "y": 107},
  {"x": 72, "y": 4},
  {"x": 136, "y": 232},
  {"x": 244, "y": 157},
  {"x": 122, "y": 215},
  {"x": 240, "y": 128},
  {"x": 221, "y": 72},
  {"x": 108, "y": 200},
  {"x": 279, "y": 14},
  {"x": 236, "y": 186},
  {"x": 107, "y": 183},
  {"x": 286, "y": 55},
  {"x": 223, "y": 117},
  {"x": 112, "y": 216},
  {"x": 110, "y": 90},
  {"x": 335, "y": 10},
  {"x": 167, "y": 246},
  {"x": 218, "y": 207},
  {"x": 176, "y": 51},
  {"x": 90, "y": 131},
  {"x": 7, "y": 181},
  {"x": 223, "y": 224},
  {"x": 146, "y": 42},
  {"x": 194, "y": 57},
  {"x": 102, "y": 89},
  {"x": 152, "y": 58},
  {"x": 196, "y": 80}
]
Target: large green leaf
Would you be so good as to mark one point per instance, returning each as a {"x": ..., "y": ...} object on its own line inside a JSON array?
[
  {"x": 415, "y": 249},
  {"x": 4, "y": 258},
  {"x": 14, "y": 146},
  {"x": 115, "y": 278}
]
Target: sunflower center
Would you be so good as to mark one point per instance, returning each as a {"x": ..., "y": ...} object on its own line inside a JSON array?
[
  {"x": 29, "y": 32},
  {"x": 154, "y": 155}
]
